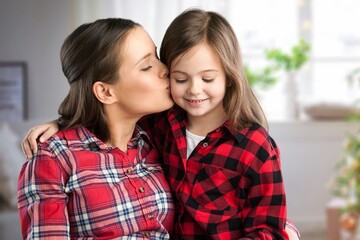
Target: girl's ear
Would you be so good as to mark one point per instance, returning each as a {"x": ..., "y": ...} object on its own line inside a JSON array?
[{"x": 104, "y": 93}]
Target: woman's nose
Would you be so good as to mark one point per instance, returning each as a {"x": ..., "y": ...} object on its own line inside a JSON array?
[{"x": 164, "y": 71}]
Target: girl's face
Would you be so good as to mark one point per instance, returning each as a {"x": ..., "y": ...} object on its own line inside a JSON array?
[
  {"x": 198, "y": 83},
  {"x": 143, "y": 85}
]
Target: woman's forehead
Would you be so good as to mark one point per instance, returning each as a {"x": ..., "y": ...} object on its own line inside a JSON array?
[{"x": 137, "y": 44}]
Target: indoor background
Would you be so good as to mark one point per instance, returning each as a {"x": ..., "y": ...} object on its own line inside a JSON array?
[{"x": 323, "y": 94}]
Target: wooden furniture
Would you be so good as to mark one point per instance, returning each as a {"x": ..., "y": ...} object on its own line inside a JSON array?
[{"x": 333, "y": 212}]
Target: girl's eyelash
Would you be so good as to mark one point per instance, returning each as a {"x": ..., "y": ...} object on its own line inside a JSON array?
[
  {"x": 208, "y": 80},
  {"x": 184, "y": 80},
  {"x": 180, "y": 80},
  {"x": 146, "y": 69}
]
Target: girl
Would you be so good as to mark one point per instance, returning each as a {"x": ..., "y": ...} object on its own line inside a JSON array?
[
  {"x": 222, "y": 165},
  {"x": 100, "y": 177}
]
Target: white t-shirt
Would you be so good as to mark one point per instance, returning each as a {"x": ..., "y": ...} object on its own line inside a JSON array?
[{"x": 192, "y": 141}]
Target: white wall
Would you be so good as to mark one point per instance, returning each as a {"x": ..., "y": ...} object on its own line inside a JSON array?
[
  {"x": 309, "y": 153},
  {"x": 33, "y": 31}
]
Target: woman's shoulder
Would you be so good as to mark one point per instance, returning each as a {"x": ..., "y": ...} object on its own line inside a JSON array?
[{"x": 63, "y": 138}]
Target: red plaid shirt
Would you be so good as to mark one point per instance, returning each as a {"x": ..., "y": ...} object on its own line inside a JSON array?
[
  {"x": 77, "y": 187},
  {"x": 230, "y": 187}
]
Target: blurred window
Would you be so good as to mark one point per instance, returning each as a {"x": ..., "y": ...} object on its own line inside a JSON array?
[
  {"x": 336, "y": 46},
  {"x": 330, "y": 26}
]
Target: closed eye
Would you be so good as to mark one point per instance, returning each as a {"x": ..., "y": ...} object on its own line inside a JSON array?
[
  {"x": 180, "y": 80},
  {"x": 208, "y": 80},
  {"x": 146, "y": 69}
]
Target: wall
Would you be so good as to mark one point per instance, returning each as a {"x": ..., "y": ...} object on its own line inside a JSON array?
[
  {"x": 309, "y": 153},
  {"x": 33, "y": 31}
]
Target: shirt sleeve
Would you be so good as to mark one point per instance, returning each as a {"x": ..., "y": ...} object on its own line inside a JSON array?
[
  {"x": 42, "y": 199},
  {"x": 264, "y": 211}
]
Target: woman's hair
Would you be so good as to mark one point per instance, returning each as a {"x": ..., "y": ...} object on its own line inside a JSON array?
[
  {"x": 195, "y": 26},
  {"x": 90, "y": 54}
]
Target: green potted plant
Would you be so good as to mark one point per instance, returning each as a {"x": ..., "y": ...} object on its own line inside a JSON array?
[
  {"x": 346, "y": 184},
  {"x": 290, "y": 63},
  {"x": 280, "y": 61},
  {"x": 260, "y": 78}
]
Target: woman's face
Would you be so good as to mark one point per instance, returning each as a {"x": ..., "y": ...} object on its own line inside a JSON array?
[{"x": 143, "y": 85}]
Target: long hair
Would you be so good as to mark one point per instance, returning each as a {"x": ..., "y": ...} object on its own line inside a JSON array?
[
  {"x": 90, "y": 54},
  {"x": 196, "y": 26}
]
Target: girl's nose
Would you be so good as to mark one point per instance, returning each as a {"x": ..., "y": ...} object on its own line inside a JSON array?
[{"x": 195, "y": 88}]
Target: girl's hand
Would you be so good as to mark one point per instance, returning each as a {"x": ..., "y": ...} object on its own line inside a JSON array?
[{"x": 44, "y": 131}]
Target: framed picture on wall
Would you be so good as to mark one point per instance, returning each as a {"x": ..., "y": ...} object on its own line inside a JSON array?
[{"x": 13, "y": 100}]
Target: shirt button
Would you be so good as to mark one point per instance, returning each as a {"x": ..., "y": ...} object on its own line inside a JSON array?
[
  {"x": 150, "y": 216},
  {"x": 147, "y": 234},
  {"x": 141, "y": 189},
  {"x": 129, "y": 170},
  {"x": 205, "y": 144}
]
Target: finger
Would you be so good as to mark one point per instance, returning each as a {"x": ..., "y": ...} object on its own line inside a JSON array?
[
  {"x": 31, "y": 139},
  {"x": 47, "y": 134},
  {"x": 44, "y": 131},
  {"x": 33, "y": 136},
  {"x": 26, "y": 148}
]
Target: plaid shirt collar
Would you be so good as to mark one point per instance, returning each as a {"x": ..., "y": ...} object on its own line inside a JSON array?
[
  {"x": 88, "y": 138},
  {"x": 178, "y": 115}
]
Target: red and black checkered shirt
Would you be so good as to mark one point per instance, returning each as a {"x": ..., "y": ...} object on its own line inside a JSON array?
[{"x": 231, "y": 185}]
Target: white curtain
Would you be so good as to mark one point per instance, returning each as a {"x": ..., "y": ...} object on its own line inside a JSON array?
[{"x": 154, "y": 15}]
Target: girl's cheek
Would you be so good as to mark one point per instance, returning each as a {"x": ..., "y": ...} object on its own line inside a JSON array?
[
  {"x": 172, "y": 92},
  {"x": 172, "y": 87}
]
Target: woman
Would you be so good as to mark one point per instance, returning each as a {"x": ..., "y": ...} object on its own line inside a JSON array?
[{"x": 100, "y": 176}]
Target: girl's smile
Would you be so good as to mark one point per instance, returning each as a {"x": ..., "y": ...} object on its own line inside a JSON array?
[{"x": 196, "y": 102}]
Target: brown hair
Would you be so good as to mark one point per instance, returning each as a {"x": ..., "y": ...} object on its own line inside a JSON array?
[
  {"x": 90, "y": 54},
  {"x": 195, "y": 26}
]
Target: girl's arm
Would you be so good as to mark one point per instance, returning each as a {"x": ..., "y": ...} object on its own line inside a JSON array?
[
  {"x": 265, "y": 209},
  {"x": 40, "y": 133},
  {"x": 154, "y": 125}
]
